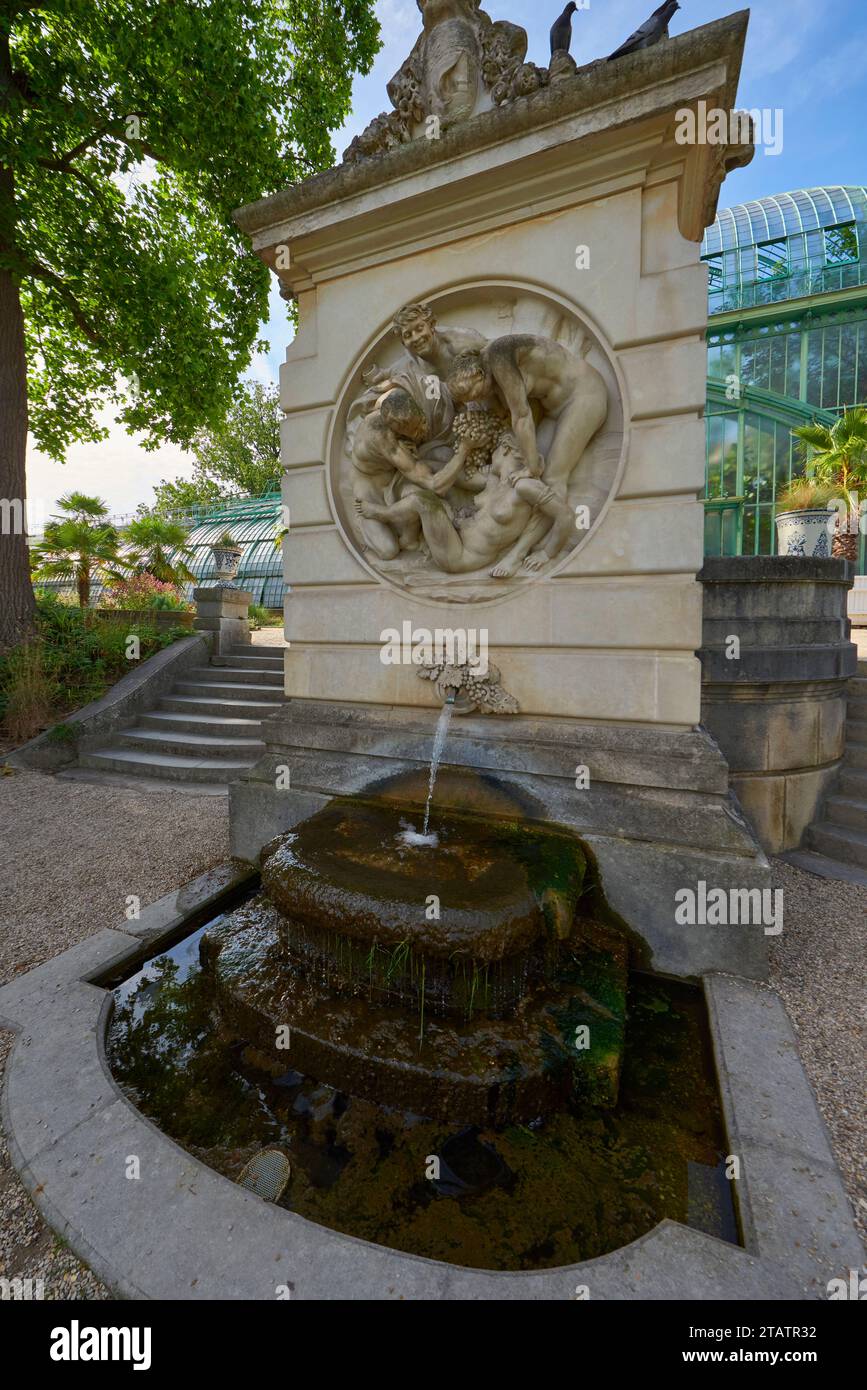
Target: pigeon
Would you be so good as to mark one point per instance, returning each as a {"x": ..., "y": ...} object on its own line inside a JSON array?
[
  {"x": 650, "y": 32},
  {"x": 561, "y": 30}
]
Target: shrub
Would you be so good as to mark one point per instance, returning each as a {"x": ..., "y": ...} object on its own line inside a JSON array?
[
  {"x": 263, "y": 617},
  {"x": 73, "y": 659},
  {"x": 143, "y": 591},
  {"x": 26, "y": 692}
]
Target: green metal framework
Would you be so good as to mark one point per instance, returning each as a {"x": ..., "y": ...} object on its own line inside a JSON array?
[
  {"x": 787, "y": 344},
  {"x": 253, "y": 522}
]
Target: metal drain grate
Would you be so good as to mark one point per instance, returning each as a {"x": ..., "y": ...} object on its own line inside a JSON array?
[{"x": 267, "y": 1174}]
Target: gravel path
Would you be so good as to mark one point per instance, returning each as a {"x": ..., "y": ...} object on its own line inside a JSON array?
[
  {"x": 819, "y": 967},
  {"x": 72, "y": 853}
]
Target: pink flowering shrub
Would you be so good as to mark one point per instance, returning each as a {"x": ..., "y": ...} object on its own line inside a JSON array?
[{"x": 143, "y": 591}]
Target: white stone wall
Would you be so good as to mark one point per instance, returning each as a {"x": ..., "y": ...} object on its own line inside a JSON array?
[{"x": 613, "y": 636}]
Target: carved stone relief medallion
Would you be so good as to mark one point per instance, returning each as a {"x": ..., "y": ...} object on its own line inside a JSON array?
[{"x": 477, "y": 443}]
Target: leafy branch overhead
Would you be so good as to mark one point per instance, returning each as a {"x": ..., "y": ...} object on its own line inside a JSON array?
[{"x": 129, "y": 131}]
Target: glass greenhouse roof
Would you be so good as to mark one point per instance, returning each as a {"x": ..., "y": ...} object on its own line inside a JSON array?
[
  {"x": 783, "y": 215},
  {"x": 253, "y": 523},
  {"x": 800, "y": 245}
]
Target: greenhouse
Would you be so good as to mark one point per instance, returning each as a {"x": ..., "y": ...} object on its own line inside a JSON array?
[
  {"x": 787, "y": 344},
  {"x": 253, "y": 523}
]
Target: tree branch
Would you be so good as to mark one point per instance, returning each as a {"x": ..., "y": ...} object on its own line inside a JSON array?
[{"x": 42, "y": 272}]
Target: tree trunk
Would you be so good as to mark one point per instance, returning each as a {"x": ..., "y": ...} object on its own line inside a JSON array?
[
  {"x": 845, "y": 545},
  {"x": 17, "y": 608}
]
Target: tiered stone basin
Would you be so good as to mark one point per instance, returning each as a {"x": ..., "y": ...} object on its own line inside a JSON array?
[{"x": 468, "y": 980}]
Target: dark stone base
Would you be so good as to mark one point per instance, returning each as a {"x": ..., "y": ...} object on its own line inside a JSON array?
[{"x": 478, "y": 1071}]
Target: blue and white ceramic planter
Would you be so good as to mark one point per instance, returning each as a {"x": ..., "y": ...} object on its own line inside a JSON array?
[
  {"x": 226, "y": 563},
  {"x": 807, "y": 533}
]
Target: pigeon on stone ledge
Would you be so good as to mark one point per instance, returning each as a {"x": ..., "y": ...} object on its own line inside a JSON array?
[
  {"x": 561, "y": 30},
  {"x": 650, "y": 32}
]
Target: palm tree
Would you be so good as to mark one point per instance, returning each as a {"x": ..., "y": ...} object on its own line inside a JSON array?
[
  {"x": 79, "y": 544},
  {"x": 152, "y": 539},
  {"x": 836, "y": 456}
]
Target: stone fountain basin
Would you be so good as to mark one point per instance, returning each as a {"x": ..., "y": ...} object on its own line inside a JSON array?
[
  {"x": 500, "y": 884},
  {"x": 188, "y": 1233}
]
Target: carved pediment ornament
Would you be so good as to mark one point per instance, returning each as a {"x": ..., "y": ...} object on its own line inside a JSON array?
[{"x": 462, "y": 62}]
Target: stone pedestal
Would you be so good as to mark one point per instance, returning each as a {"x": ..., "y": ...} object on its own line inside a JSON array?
[
  {"x": 535, "y": 256},
  {"x": 223, "y": 611},
  {"x": 776, "y": 657}
]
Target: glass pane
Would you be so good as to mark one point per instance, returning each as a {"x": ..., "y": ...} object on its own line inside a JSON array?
[
  {"x": 730, "y": 456},
  {"x": 793, "y": 365},
  {"x": 772, "y": 260},
  {"x": 765, "y": 529},
  {"x": 830, "y": 369},
  {"x": 841, "y": 244},
  {"x": 782, "y": 455},
  {"x": 749, "y": 541},
  {"x": 712, "y": 533},
  {"x": 848, "y": 349},
  {"x": 728, "y": 359},
  {"x": 751, "y": 455},
  {"x": 814, "y": 366},
  {"x": 778, "y": 364},
  {"x": 861, "y": 384},
  {"x": 766, "y": 457},
  {"x": 715, "y": 430},
  {"x": 730, "y": 531}
]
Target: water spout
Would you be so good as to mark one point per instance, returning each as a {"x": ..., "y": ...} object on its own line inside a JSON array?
[
  {"x": 438, "y": 745},
  {"x": 425, "y": 838}
]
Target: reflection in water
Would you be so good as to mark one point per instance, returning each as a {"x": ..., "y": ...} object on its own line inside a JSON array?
[{"x": 561, "y": 1188}]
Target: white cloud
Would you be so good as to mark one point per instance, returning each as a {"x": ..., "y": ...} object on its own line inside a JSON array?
[{"x": 117, "y": 469}]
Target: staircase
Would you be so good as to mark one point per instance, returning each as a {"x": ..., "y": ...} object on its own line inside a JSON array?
[
  {"x": 841, "y": 834},
  {"x": 201, "y": 736}
]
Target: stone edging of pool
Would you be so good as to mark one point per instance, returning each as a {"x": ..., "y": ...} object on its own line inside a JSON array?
[{"x": 182, "y": 1231}]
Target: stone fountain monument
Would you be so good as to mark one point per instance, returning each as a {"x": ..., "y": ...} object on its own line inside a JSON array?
[{"x": 494, "y": 437}]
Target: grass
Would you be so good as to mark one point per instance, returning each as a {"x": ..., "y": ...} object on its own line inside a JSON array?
[
  {"x": 264, "y": 617},
  {"x": 73, "y": 659}
]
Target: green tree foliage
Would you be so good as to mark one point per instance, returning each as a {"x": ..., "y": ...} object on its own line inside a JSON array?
[
  {"x": 241, "y": 455},
  {"x": 129, "y": 131}
]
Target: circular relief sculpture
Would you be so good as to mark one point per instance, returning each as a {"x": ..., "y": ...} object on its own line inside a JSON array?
[{"x": 477, "y": 443}]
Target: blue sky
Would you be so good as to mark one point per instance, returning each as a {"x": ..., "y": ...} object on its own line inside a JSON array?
[{"x": 803, "y": 57}]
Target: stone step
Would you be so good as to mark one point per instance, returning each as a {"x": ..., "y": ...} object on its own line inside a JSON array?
[
  {"x": 839, "y": 842},
  {"x": 166, "y": 741},
  {"x": 852, "y": 782},
  {"x": 231, "y": 675},
  {"x": 818, "y": 864},
  {"x": 855, "y": 755},
  {"x": 220, "y": 706},
  {"x": 257, "y": 649},
  {"x": 856, "y": 730},
  {"x": 171, "y": 767},
  {"x": 856, "y": 709},
  {"x": 201, "y": 724},
  {"x": 259, "y": 662},
  {"x": 125, "y": 782},
  {"x": 225, "y": 690},
  {"x": 857, "y": 688},
  {"x": 847, "y": 810}
]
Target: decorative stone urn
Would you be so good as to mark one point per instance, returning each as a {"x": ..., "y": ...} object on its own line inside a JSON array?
[
  {"x": 226, "y": 562},
  {"x": 808, "y": 533}
]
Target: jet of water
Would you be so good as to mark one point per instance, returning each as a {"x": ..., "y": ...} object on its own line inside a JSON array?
[{"x": 438, "y": 745}]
